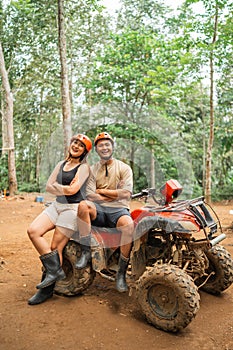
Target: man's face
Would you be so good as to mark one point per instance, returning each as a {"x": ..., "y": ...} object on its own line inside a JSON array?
[{"x": 104, "y": 148}]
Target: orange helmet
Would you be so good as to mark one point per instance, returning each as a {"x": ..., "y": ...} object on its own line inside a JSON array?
[
  {"x": 84, "y": 139},
  {"x": 103, "y": 136}
]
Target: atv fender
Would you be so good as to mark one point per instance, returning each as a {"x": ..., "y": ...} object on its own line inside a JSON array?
[
  {"x": 138, "y": 255},
  {"x": 158, "y": 222}
]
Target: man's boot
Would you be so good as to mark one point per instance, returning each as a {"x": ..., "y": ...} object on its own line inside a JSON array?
[
  {"x": 42, "y": 294},
  {"x": 54, "y": 271},
  {"x": 85, "y": 257},
  {"x": 121, "y": 284}
]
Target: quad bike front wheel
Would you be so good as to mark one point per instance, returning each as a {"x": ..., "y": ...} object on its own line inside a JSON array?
[
  {"x": 220, "y": 271},
  {"x": 77, "y": 280},
  {"x": 168, "y": 297}
]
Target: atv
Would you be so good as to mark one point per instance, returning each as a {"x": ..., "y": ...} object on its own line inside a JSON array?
[{"x": 175, "y": 253}]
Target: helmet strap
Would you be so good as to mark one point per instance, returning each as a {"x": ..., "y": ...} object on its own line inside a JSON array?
[{"x": 75, "y": 157}]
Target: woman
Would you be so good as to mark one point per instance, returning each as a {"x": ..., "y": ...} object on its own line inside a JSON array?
[{"x": 67, "y": 182}]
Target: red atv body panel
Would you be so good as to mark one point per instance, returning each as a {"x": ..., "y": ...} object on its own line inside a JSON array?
[
  {"x": 167, "y": 212},
  {"x": 107, "y": 237}
]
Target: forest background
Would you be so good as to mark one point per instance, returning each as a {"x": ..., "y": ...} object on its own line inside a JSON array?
[{"x": 161, "y": 82}]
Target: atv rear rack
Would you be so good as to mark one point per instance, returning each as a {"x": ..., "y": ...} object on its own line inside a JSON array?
[{"x": 198, "y": 208}]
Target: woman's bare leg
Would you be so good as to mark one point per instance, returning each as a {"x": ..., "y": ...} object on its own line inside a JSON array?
[
  {"x": 60, "y": 239},
  {"x": 41, "y": 225}
]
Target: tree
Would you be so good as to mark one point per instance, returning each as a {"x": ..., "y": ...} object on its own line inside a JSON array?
[
  {"x": 206, "y": 26},
  {"x": 140, "y": 77},
  {"x": 136, "y": 72},
  {"x": 30, "y": 39},
  {"x": 10, "y": 129},
  {"x": 140, "y": 15},
  {"x": 65, "y": 93},
  {"x": 211, "y": 122}
]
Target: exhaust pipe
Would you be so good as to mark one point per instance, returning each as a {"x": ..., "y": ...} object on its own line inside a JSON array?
[{"x": 218, "y": 239}]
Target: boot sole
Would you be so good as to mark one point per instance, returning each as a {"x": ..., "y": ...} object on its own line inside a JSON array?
[{"x": 40, "y": 302}]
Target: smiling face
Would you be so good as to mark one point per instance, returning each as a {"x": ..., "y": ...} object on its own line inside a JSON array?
[
  {"x": 104, "y": 148},
  {"x": 77, "y": 148}
]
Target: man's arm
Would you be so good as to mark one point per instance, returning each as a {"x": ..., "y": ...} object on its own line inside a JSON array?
[
  {"x": 96, "y": 197},
  {"x": 114, "y": 194},
  {"x": 123, "y": 190}
]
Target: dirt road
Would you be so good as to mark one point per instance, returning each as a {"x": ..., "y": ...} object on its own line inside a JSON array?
[{"x": 99, "y": 319}]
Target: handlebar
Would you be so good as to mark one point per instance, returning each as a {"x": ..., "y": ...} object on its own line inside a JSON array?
[{"x": 144, "y": 193}]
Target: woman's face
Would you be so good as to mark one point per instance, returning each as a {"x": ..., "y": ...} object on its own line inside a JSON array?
[{"x": 77, "y": 148}]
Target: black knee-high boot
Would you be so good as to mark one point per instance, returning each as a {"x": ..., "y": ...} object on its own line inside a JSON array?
[
  {"x": 121, "y": 284},
  {"x": 42, "y": 294},
  {"x": 54, "y": 271}
]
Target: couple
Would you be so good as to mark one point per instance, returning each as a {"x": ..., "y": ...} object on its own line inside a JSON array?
[{"x": 107, "y": 185}]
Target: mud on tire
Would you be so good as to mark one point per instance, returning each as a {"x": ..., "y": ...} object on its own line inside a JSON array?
[
  {"x": 221, "y": 267},
  {"x": 76, "y": 280},
  {"x": 168, "y": 297}
]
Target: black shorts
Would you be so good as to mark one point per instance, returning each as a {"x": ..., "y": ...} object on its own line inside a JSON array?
[{"x": 108, "y": 216}]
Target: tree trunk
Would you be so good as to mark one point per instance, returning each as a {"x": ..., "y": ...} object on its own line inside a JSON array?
[
  {"x": 66, "y": 107},
  {"x": 203, "y": 141},
  {"x": 39, "y": 137},
  {"x": 152, "y": 170},
  {"x": 152, "y": 160},
  {"x": 4, "y": 129},
  {"x": 211, "y": 124},
  {"x": 211, "y": 138},
  {"x": 10, "y": 129}
]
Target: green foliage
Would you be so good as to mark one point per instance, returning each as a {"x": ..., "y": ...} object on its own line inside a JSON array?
[
  {"x": 28, "y": 187},
  {"x": 224, "y": 192},
  {"x": 140, "y": 78},
  {"x": 3, "y": 172},
  {"x": 137, "y": 67},
  {"x": 137, "y": 14}
]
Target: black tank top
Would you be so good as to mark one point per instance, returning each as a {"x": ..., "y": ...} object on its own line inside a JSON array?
[{"x": 65, "y": 178}]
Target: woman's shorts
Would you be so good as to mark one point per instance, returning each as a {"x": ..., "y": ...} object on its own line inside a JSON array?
[{"x": 63, "y": 215}]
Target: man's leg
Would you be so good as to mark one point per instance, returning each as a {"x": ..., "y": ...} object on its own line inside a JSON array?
[
  {"x": 126, "y": 226},
  {"x": 86, "y": 213}
]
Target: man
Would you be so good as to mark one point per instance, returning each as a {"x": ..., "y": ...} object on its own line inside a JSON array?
[{"x": 108, "y": 192}]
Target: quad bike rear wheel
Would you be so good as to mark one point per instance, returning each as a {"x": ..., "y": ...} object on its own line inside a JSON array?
[
  {"x": 220, "y": 271},
  {"x": 76, "y": 280},
  {"x": 168, "y": 297}
]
